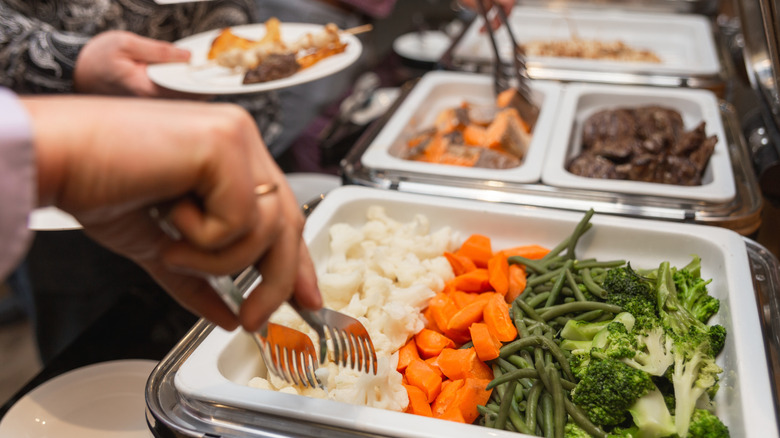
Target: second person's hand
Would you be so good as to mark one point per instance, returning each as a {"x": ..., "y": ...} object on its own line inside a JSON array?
[{"x": 114, "y": 63}]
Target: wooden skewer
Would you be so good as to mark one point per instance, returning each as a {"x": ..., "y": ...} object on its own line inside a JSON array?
[{"x": 357, "y": 30}]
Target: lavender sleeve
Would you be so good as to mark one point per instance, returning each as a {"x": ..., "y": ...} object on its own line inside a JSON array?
[{"x": 17, "y": 181}]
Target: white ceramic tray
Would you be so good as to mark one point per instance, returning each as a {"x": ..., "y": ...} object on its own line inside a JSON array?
[
  {"x": 684, "y": 42},
  {"x": 219, "y": 368},
  {"x": 439, "y": 90},
  {"x": 580, "y": 101}
]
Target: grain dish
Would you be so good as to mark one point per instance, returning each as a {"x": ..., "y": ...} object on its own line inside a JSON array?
[{"x": 590, "y": 49}]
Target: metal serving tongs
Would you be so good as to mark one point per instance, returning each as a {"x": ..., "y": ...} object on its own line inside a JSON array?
[
  {"x": 289, "y": 353},
  {"x": 524, "y": 103}
]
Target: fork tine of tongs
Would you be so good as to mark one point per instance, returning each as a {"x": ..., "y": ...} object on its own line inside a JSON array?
[
  {"x": 287, "y": 353},
  {"x": 352, "y": 346},
  {"x": 529, "y": 111}
]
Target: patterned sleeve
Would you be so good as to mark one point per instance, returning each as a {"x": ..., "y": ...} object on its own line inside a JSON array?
[{"x": 35, "y": 57}]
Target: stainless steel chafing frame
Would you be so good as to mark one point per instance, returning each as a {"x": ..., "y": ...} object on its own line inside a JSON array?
[
  {"x": 170, "y": 414},
  {"x": 742, "y": 214}
]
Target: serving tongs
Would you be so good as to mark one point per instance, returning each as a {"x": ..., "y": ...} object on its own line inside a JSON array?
[
  {"x": 290, "y": 354},
  {"x": 524, "y": 103}
]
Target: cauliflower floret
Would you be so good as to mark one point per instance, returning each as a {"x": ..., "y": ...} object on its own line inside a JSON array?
[
  {"x": 339, "y": 288},
  {"x": 383, "y": 390},
  {"x": 383, "y": 274}
]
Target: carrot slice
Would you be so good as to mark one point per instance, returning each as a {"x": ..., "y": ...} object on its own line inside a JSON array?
[
  {"x": 406, "y": 354},
  {"x": 460, "y": 263},
  {"x": 418, "y": 402},
  {"x": 471, "y": 313},
  {"x": 477, "y": 280},
  {"x": 446, "y": 396},
  {"x": 517, "y": 282},
  {"x": 433, "y": 362},
  {"x": 533, "y": 252},
  {"x": 474, "y": 135},
  {"x": 454, "y": 413},
  {"x": 442, "y": 308},
  {"x": 478, "y": 248},
  {"x": 421, "y": 375},
  {"x": 461, "y": 363},
  {"x": 471, "y": 395},
  {"x": 486, "y": 344},
  {"x": 498, "y": 274},
  {"x": 496, "y": 316},
  {"x": 463, "y": 299},
  {"x": 431, "y": 343}
]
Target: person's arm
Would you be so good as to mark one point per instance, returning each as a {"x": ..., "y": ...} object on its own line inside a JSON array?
[
  {"x": 35, "y": 57},
  {"x": 17, "y": 181},
  {"x": 109, "y": 170}
]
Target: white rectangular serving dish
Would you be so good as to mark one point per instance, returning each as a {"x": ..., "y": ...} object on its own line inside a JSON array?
[
  {"x": 439, "y": 90},
  {"x": 220, "y": 367},
  {"x": 580, "y": 101},
  {"x": 684, "y": 42}
]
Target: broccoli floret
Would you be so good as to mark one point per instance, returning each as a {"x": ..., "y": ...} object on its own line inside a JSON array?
[
  {"x": 676, "y": 317},
  {"x": 717, "y": 337},
  {"x": 694, "y": 374},
  {"x": 634, "y": 293},
  {"x": 572, "y": 430},
  {"x": 651, "y": 415},
  {"x": 608, "y": 388},
  {"x": 625, "y": 432},
  {"x": 654, "y": 352},
  {"x": 705, "y": 424},
  {"x": 614, "y": 341},
  {"x": 582, "y": 337},
  {"x": 578, "y": 362},
  {"x": 576, "y": 330},
  {"x": 692, "y": 291}
]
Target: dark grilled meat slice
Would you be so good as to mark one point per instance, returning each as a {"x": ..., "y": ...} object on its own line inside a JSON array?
[
  {"x": 593, "y": 166},
  {"x": 608, "y": 124},
  {"x": 701, "y": 156},
  {"x": 658, "y": 126},
  {"x": 275, "y": 66}
]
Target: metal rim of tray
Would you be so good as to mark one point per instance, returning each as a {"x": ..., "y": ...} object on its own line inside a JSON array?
[
  {"x": 170, "y": 414},
  {"x": 715, "y": 82}
]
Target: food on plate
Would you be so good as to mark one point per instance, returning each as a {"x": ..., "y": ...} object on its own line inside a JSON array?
[
  {"x": 525, "y": 338},
  {"x": 590, "y": 49},
  {"x": 471, "y": 135},
  {"x": 270, "y": 57},
  {"x": 646, "y": 143}
]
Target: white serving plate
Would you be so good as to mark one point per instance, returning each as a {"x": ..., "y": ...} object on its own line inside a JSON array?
[
  {"x": 439, "y": 90},
  {"x": 220, "y": 367},
  {"x": 684, "y": 42},
  {"x": 580, "y": 101}
]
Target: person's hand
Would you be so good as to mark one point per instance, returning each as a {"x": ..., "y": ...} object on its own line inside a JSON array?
[
  {"x": 113, "y": 159},
  {"x": 114, "y": 63},
  {"x": 506, "y": 5}
]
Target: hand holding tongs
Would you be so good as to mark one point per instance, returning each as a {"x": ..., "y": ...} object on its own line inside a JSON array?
[
  {"x": 288, "y": 353},
  {"x": 529, "y": 111}
]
